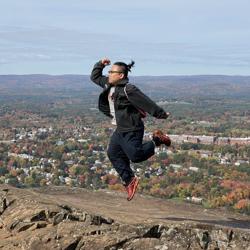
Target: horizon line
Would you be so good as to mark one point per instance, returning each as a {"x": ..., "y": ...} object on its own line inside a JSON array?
[{"x": 172, "y": 75}]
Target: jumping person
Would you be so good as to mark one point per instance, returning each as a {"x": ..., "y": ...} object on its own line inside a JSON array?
[{"x": 126, "y": 105}]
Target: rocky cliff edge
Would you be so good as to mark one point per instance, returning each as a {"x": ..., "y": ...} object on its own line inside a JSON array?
[{"x": 66, "y": 218}]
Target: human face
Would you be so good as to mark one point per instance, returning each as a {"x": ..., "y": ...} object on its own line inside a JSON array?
[{"x": 115, "y": 74}]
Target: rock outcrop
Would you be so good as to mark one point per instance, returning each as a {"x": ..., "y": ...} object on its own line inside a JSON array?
[{"x": 31, "y": 220}]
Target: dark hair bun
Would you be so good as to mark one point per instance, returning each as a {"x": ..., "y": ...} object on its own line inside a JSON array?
[{"x": 130, "y": 65}]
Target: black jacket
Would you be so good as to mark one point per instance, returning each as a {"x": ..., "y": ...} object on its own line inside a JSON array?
[{"x": 128, "y": 118}]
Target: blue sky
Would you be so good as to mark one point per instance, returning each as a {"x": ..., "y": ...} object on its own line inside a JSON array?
[{"x": 177, "y": 37}]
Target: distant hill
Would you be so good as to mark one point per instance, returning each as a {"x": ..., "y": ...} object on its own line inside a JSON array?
[
  {"x": 211, "y": 86},
  {"x": 194, "y": 86}
]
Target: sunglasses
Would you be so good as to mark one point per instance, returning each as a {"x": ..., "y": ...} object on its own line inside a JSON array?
[{"x": 113, "y": 71}]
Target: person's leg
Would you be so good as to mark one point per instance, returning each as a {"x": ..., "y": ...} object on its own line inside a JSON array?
[
  {"x": 136, "y": 151},
  {"x": 119, "y": 159}
]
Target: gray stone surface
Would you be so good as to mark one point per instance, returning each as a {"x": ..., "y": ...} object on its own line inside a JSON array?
[{"x": 29, "y": 220}]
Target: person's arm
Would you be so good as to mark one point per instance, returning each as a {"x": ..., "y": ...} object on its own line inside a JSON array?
[
  {"x": 96, "y": 75},
  {"x": 141, "y": 101}
]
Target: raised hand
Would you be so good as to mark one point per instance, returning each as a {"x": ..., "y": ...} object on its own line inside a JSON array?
[{"x": 105, "y": 61}]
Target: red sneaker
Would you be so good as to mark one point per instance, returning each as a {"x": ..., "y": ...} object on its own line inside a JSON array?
[
  {"x": 160, "y": 138},
  {"x": 131, "y": 188}
]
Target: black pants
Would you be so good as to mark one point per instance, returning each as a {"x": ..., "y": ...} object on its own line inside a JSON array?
[{"x": 125, "y": 147}]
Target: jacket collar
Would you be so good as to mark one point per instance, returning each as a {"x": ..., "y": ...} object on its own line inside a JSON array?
[{"x": 122, "y": 82}]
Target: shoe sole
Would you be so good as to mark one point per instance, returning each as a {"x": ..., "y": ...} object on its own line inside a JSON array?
[{"x": 134, "y": 190}]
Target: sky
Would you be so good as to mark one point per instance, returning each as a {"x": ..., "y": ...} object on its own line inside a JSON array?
[{"x": 163, "y": 37}]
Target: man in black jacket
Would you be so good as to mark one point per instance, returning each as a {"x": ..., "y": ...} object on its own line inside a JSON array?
[{"x": 126, "y": 105}]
